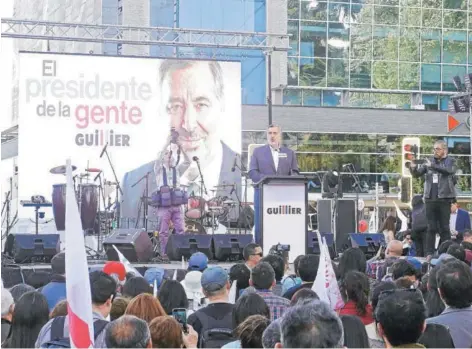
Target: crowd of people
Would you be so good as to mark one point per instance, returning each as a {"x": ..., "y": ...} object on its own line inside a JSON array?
[{"x": 390, "y": 301}]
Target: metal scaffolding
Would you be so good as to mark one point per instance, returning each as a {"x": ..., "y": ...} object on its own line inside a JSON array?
[{"x": 79, "y": 32}]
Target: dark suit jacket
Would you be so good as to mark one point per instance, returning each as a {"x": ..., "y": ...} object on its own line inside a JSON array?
[
  {"x": 462, "y": 220},
  {"x": 132, "y": 196},
  {"x": 446, "y": 169},
  {"x": 262, "y": 163}
]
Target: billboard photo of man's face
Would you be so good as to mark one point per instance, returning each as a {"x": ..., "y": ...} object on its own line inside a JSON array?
[{"x": 192, "y": 97}]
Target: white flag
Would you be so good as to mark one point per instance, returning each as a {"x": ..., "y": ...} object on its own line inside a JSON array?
[
  {"x": 79, "y": 298},
  {"x": 232, "y": 292},
  {"x": 128, "y": 267},
  {"x": 175, "y": 275},
  {"x": 402, "y": 217},
  {"x": 372, "y": 227},
  {"x": 154, "y": 291}
]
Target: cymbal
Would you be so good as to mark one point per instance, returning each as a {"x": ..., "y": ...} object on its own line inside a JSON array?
[
  {"x": 223, "y": 186},
  {"x": 229, "y": 202},
  {"x": 96, "y": 170},
  {"x": 61, "y": 169}
]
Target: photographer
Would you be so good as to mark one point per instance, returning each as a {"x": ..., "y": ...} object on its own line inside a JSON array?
[
  {"x": 439, "y": 192},
  {"x": 378, "y": 265}
]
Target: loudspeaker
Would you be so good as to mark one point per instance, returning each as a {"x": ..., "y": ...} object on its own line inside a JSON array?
[
  {"x": 186, "y": 245},
  {"x": 134, "y": 244},
  {"x": 26, "y": 248},
  {"x": 229, "y": 247},
  {"x": 313, "y": 246},
  {"x": 324, "y": 214},
  {"x": 368, "y": 243}
]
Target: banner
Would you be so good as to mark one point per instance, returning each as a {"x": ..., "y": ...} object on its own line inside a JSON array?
[{"x": 134, "y": 107}]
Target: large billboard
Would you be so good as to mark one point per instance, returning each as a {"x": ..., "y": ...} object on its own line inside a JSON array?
[{"x": 72, "y": 106}]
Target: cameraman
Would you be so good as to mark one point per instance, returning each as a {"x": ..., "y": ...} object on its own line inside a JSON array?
[{"x": 439, "y": 191}]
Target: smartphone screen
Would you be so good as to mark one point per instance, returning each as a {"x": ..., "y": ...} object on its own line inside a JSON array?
[{"x": 180, "y": 314}]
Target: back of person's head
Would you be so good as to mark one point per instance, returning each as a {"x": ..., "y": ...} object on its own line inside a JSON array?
[
  {"x": 118, "y": 307},
  {"x": 38, "y": 279},
  {"x": 443, "y": 247},
  {"x": 308, "y": 267},
  {"x": 30, "y": 314},
  {"x": 249, "y": 250},
  {"x": 311, "y": 325},
  {"x": 197, "y": 261},
  {"x": 58, "y": 263},
  {"x": 455, "y": 284},
  {"x": 146, "y": 307},
  {"x": 355, "y": 286},
  {"x": 400, "y": 316},
  {"x": 241, "y": 274},
  {"x": 60, "y": 309},
  {"x": 457, "y": 251},
  {"x": 378, "y": 289},
  {"x": 271, "y": 335},
  {"x": 436, "y": 336},
  {"x": 296, "y": 262},
  {"x": 262, "y": 276},
  {"x": 402, "y": 268},
  {"x": 215, "y": 282},
  {"x": 394, "y": 249},
  {"x": 172, "y": 295},
  {"x": 127, "y": 332},
  {"x": 404, "y": 282},
  {"x": 303, "y": 295},
  {"x": 277, "y": 263},
  {"x": 20, "y": 289},
  {"x": 166, "y": 333},
  {"x": 355, "y": 334},
  {"x": 102, "y": 287},
  {"x": 7, "y": 302},
  {"x": 135, "y": 286},
  {"x": 434, "y": 303},
  {"x": 249, "y": 304},
  {"x": 351, "y": 259},
  {"x": 250, "y": 331}
]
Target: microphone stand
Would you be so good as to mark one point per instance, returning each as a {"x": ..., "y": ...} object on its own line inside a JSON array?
[
  {"x": 118, "y": 186},
  {"x": 245, "y": 174},
  {"x": 357, "y": 187},
  {"x": 144, "y": 200},
  {"x": 202, "y": 189}
]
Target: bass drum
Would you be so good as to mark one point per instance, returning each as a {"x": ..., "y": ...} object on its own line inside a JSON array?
[
  {"x": 194, "y": 227},
  {"x": 89, "y": 203}
]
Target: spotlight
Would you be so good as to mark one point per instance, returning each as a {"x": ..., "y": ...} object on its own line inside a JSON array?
[{"x": 331, "y": 185}]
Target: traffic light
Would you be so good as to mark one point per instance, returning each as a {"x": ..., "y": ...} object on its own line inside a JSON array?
[{"x": 410, "y": 152}]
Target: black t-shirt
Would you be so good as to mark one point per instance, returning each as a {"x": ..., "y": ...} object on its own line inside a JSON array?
[{"x": 215, "y": 310}]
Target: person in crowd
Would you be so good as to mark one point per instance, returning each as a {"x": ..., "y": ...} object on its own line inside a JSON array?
[
  {"x": 241, "y": 274},
  {"x": 409, "y": 245},
  {"x": 154, "y": 275},
  {"x": 145, "y": 307},
  {"x": 172, "y": 295},
  {"x": 136, "y": 285},
  {"x": 29, "y": 316},
  {"x": 443, "y": 258},
  {"x": 376, "y": 341},
  {"x": 311, "y": 325},
  {"x": 292, "y": 280},
  {"x": 20, "y": 289},
  {"x": 103, "y": 291},
  {"x": 307, "y": 270},
  {"x": 197, "y": 262},
  {"x": 355, "y": 334},
  {"x": 434, "y": 303},
  {"x": 457, "y": 251},
  {"x": 39, "y": 279},
  {"x": 263, "y": 280},
  {"x": 166, "y": 332},
  {"x": 247, "y": 305},
  {"x": 439, "y": 191},
  {"x": 118, "y": 307},
  {"x": 419, "y": 224},
  {"x": 455, "y": 289},
  {"x": 436, "y": 336},
  {"x": 355, "y": 288},
  {"x": 389, "y": 228},
  {"x": 7, "y": 312},
  {"x": 377, "y": 266},
  {"x": 351, "y": 259},
  {"x": 271, "y": 335},
  {"x": 303, "y": 295},
  {"x": 467, "y": 240},
  {"x": 250, "y": 331},
  {"x": 55, "y": 290},
  {"x": 59, "y": 310},
  {"x": 443, "y": 246},
  {"x": 116, "y": 270},
  {"x": 252, "y": 254},
  {"x": 400, "y": 317},
  {"x": 459, "y": 221},
  {"x": 128, "y": 332},
  {"x": 403, "y": 268},
  {"x": 277, "y": 263},
  {"x": 193, "y": 289},
  {"x": 218, "y": 313},
  {"x": 404, "y": 282}
]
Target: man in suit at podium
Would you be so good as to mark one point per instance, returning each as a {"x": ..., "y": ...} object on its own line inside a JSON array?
[{"x": 270, "y": 160}]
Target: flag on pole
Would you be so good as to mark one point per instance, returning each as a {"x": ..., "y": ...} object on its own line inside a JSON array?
[
  {"x": 326, "y": 285},
  {"x": 232, "y": 292},
  {"x": 154, "y": 290},
  {"x": 79, "y": 298},
  {"x": 372, "y": 227},
  {"x": 129, "y": 268},
  {"x": 402, "y": 218},
  {"x": 175, "y": 275}
]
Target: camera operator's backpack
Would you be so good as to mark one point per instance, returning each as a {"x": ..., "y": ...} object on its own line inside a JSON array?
[
  {"x": 215, "y": 333},
  {"x": 57, "y": 333}
]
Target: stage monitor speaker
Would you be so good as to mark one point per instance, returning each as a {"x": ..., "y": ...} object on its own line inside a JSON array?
[
  {"x": 368, "y": 243},
  {"x": 134, "y": 244},
  {"x": 27, "y": 248},
  {"x": 186, "y": 245},
  {"x": 313, "y": 246},
  {"x": 324, "y": 214},
  {"x": 229, "y": 247}
]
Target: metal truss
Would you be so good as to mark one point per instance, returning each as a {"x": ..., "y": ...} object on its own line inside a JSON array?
[
  {"x": 10, "y": 134},
  {"x": 79, "y": 32}
]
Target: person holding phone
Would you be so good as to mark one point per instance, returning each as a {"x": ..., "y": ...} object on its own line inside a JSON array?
[{"x": 167, "y": 332}]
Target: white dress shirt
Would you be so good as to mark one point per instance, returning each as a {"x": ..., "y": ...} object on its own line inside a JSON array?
[
  {"x": 275, "y": 157},
  {"x": 170, "y": 176},
  {"x": 452, "y": 221}
]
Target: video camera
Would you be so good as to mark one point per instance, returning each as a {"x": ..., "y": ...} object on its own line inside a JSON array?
[{"x": 280, "y": 250}]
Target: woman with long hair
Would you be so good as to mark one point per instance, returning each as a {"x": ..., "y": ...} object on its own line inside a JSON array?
[
  {"x": 389, "y": 227},
  {"x": 172, "y": 295},
  {"x": 145, "y": 307},
  {"x": 30, "y": 314},
  {"x": 351, "y": 259},
  {"x": 355, "y": 288}
]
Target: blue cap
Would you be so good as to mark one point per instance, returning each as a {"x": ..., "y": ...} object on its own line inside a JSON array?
[
  {"x": 414, "y": 262},
  {"x": 443, "y": 257},
  {"x": 152, "y": 274},
  {"x": 198, "y": 261},
  {"x": 214, "y": 279}
]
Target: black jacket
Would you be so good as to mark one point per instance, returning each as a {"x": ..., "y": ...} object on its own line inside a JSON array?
[{"x": 446, "y": 170}]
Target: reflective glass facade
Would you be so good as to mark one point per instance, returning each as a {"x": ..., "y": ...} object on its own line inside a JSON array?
[{"x": 372, "y": 47}]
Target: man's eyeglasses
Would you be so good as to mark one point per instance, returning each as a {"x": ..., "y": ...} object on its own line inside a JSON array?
[{"x": 260, "y": 254}]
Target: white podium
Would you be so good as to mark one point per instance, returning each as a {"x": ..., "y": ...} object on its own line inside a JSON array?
[{"x": 283, "y": 213}]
